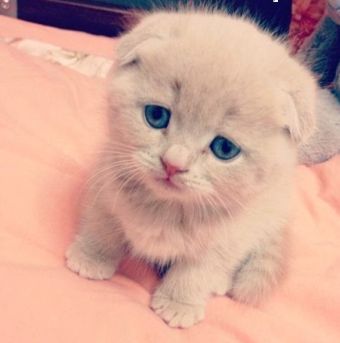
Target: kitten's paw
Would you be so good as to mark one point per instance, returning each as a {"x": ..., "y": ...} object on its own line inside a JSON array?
[
  {"x": 88, "y": 266},
  {"x": 256, "y": 280},
  {"x": 221, "y": 289},
  {"x": 251, "y": 289},
  {"x": 175, "y": 313},
  {"x": 246, "y": 293}
]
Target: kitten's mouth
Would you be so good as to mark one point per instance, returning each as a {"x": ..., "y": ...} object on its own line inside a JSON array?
[{"x": 168, "y": 183}]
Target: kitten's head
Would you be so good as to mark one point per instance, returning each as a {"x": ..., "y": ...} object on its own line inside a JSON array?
[{"x": 206, "y": 106}]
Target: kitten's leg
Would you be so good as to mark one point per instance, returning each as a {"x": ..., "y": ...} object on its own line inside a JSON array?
[
  {"x": 181, "y": 298},
  {"x": 259, "y": 272},
  {"x": 98, "y": 247}
]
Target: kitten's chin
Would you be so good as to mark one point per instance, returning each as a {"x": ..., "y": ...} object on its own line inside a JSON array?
[{"x": 167, "y": 188}]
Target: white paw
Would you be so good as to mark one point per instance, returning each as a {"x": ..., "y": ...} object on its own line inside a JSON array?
[
  {"x": 221, "y": 285},
  {"x": 88, "y": 266},
  {"x": 175, "y": 313},
  {"x": 221, "y": 289}
]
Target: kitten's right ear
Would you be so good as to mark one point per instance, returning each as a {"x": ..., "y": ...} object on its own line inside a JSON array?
[
  {"x": 126, "y": 54},
  {"x": 130, "y": 47},
  {"x": 146, "y": 36}
]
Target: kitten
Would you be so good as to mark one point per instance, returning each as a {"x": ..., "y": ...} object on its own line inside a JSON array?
[
  {"x": 324, "y": 143},
  {"x": 206, "y": 113}
]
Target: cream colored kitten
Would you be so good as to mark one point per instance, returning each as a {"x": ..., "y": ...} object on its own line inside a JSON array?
[
  {"x": 207, "y": 111},
  {"x": 324, "y": 143}
]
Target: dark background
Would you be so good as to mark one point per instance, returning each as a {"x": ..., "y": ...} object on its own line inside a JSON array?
[{"x": 110, "y": 17}]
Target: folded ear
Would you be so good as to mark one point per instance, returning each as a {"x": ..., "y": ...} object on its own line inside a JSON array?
[
  {"x": 147, "y": 34},
  {"x": 131, "y": 47},
  {"x": 299, "y": 102}
]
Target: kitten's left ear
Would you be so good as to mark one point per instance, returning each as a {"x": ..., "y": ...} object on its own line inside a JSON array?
[{"x": 299, "y": 91}]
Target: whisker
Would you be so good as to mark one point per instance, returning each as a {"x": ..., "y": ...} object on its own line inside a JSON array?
[
  {"x": 96, "y": 177},
  {"x": 129, "y": 178},
  {"x": 113, "y": 176}
]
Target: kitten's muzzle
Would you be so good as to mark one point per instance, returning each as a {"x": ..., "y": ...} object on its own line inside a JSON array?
[
  {"x": 171, "y": 169},
  {"x": 175, "y": 160}
]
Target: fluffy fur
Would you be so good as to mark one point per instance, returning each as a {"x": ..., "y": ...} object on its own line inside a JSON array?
[
  {"x": 223, "y": 227},
  {"x": 322, "y": 52},
  {"x": 324, "y": 143}
]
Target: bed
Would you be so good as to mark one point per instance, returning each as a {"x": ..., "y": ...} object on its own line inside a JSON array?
[{"x": 52, "y": 119}]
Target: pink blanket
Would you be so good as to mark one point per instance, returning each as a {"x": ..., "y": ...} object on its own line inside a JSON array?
[{"x": 51, "y": 121}]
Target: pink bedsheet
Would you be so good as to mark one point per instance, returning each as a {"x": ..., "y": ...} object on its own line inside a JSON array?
[{"x": 51, "y": 121}]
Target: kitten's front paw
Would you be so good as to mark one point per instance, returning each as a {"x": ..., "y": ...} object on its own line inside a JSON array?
[
  {"x": 87, "y": 266},
  {"x": 175, "y": 313}
]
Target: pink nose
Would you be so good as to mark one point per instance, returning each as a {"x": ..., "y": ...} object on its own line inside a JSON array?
[{"x": 171, "y": 169}]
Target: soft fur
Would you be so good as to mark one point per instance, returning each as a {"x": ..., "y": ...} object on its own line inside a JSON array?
[
  {"x": 324, "y": 143},
  {"x": 322, "y": 53},
  {"x": 223, "y": 230}
]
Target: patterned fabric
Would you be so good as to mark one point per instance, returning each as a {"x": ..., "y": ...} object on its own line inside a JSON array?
[
  {"x": 89, "y": 65},
  {"x": 306, "y": 15}
]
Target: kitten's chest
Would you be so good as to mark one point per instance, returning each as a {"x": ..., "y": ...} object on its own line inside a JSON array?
[
  {"x": 156, "y": 243},
  {"x": 161, "y": 231},
  {"x": 160, "y": 240}
]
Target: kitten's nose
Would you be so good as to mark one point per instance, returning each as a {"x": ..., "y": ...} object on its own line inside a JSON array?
[
  {"x": 175, "y": 160},
  {"x": 171, "y": 169}
]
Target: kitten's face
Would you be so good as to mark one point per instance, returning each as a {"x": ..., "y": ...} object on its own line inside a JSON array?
[{"x": 197, "y": 119}]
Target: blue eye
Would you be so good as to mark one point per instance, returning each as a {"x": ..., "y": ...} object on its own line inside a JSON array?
[
  {"x": 157, "y": 116},
  {"x": 223, "y": 149}
]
